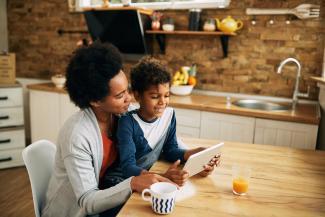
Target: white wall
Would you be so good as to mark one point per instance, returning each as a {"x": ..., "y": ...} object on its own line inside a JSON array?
[{"x": 25, "y": 82}]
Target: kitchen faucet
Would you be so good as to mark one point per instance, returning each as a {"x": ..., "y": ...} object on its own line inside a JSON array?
[{"x": 296, "y": 92}]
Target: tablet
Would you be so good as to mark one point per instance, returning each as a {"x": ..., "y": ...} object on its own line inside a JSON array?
[{"x": 196, "y": 162}]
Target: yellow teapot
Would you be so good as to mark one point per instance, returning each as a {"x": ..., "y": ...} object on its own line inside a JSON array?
[{"x": 229, "y": 25}]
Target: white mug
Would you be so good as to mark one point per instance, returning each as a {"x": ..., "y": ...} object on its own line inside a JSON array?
[{"x": 162, "y": 197}]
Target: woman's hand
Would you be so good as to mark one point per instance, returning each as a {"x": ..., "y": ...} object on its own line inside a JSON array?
[
  {"x": 176, "y": 174},
  {"x": 138, "y": 183},
  {"x": 208, "y": 169}
]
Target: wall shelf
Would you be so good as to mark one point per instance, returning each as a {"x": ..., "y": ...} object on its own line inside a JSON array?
[{"x": 161, "y": 37}]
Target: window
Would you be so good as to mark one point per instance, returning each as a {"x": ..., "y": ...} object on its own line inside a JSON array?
[{"x": 167, "y": 4}]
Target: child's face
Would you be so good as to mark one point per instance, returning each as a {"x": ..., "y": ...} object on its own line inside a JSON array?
[{"x": 153, "y": 101}]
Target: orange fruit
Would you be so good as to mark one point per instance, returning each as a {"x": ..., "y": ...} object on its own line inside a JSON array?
[{"x": 191, "y": 81}]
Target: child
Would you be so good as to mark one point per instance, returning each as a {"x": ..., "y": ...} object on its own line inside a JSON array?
[{"x": 146, "y": 133}]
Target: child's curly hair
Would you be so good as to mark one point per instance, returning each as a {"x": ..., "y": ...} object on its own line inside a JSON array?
[{"x": 147, "y": 72}]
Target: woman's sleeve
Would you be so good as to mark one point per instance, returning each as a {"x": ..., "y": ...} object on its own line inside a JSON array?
[
  {"x": 127, "y": 147},
  {"x": 81, "y": 174},
  {"x": 171, "y": 150}
]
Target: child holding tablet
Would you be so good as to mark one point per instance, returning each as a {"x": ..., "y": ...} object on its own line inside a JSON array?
[{"x": 149, "y": 132}]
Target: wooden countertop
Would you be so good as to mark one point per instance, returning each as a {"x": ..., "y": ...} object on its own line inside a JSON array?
[
  {"x": 304, "y": 113},
  {"x": 319, "y": 79},
  {"x": 284, "y": 182}
]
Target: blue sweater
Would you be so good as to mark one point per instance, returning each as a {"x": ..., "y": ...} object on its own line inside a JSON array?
[{"x": 137, "y": 138}]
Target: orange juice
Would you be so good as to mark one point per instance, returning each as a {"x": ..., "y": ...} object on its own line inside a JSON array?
[{"x": 240, "y": 185}]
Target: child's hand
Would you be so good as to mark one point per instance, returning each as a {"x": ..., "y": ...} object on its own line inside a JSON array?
[
  {"x": 138, "y": 183},
  {"x": 176, "y": 174},
  {"x": 208, "y": 169}
]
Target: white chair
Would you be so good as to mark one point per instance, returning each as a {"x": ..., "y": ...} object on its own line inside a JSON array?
[{"x": 39, "y": 160}]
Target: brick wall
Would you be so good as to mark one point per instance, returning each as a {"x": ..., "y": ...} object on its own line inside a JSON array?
[{"x": 249, "y": 68}]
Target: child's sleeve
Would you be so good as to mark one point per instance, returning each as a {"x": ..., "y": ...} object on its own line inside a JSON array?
[
  {"x": 126, "y": 147},
  {"x": 171, "y": 150}
]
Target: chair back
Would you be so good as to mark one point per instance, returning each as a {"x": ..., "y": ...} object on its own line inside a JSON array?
[{"x": 39, "y": 161}]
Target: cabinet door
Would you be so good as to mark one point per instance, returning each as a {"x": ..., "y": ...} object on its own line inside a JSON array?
[
  {"x": 44, "y": 115},
  {"x": 227, "y": 127},
  {"x": 284, "y": 133},
  {"x": 67, "y": 108},
  {"x": 188, "y": 122},
  {"x": 11, "y": 97},
  {"x": 12, "y": 116},
  {"x": 12, "y": 138}
]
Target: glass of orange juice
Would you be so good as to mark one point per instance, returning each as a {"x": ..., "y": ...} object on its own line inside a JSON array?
[{"x": 240, "y": 179}]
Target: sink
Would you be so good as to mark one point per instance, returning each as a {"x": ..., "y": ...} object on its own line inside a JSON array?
[{"x": 260, "y": 105}]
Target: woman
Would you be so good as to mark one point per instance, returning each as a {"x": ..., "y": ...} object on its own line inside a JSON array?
[{"x": 85, "y": 147}]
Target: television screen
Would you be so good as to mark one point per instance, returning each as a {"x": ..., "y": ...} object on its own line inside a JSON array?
[{"x": 123, "y": 28}]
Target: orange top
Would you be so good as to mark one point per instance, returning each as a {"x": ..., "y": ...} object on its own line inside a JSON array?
[{"x": 109, "y": 155}]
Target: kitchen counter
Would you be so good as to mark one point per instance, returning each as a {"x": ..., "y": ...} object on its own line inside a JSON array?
[
  {"x": 284, "y": 182},
  {"x": 319, "y": 79},
  {"x": 304, "y": 113}
]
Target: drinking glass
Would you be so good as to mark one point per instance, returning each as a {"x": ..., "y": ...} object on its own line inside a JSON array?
[{"x": 240, "y": 179}]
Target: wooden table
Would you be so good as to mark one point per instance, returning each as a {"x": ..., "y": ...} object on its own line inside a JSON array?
[{"x": 285, "y": 182}]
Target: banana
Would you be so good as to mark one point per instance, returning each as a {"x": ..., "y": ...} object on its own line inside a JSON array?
[
  {"x": 186, "y": 76},
  {"x": 177, "y": 82},
  {"x": 176, "y": 76}
]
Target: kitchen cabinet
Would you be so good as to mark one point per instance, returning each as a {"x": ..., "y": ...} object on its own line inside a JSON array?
[
  {"x": 12, "y": 131},
  {"x": 236, "y": 128},
  {"x": 48, "y": 112},
  {"x": 188, "y": 122},
  {"x": 290, "y": 134},
  {"x": 50, "y": 107},
  {"x": 212, "y": 125},
  {"x": 227, "y": 127}
]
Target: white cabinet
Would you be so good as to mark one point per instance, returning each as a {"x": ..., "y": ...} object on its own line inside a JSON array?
[
  {"x": 12, "y": 132},
  {"x": 283, "y": 133},
  {"x": 236, "y": 128},
  {"x": 49, "y": 110},
  {"x": 212, "y": 125},
  {"x": 188, "y": 122},
  {"x": 227, "y": 127}
]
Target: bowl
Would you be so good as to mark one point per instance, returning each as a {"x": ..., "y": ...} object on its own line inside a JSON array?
[
  {"x": 58, "y": 80},
  {"x": 168, "y": 27},
  {"x": 181, "y": 90}
]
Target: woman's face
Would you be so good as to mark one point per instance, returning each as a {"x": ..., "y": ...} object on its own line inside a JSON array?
[{"x": 118, "y": 100}]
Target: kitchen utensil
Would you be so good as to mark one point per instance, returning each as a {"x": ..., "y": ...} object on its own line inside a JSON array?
[{"x": 303, "y": 11}]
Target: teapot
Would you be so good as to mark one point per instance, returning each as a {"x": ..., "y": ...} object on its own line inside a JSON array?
[{"x": 229, "y": 25}]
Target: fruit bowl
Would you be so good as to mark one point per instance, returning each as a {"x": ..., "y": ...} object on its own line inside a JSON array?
[{"x": 181, "y": 90}]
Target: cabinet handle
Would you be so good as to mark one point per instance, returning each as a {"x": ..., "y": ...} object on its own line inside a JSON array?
[
  {"x": 5, "y": 159},
  {"x": 3, "y": 97},
  {"x": 5, "y": 141},
  {"x": 4, "y": 117}
]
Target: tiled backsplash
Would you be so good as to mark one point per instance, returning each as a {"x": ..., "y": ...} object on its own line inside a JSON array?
[{"x": 249, "y": 68}]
